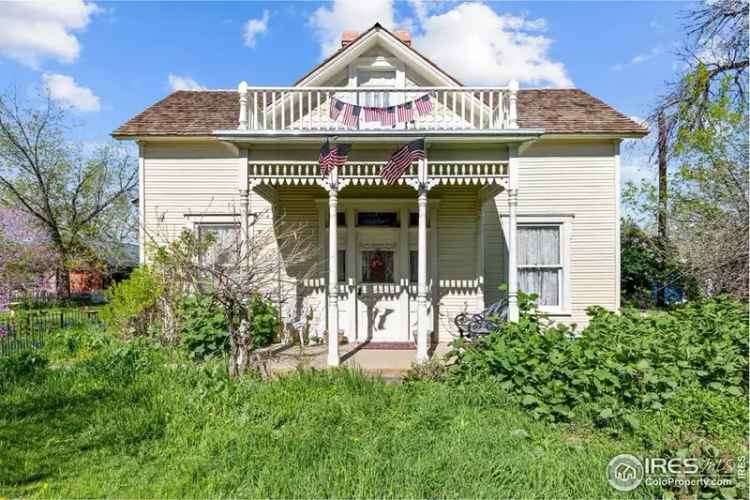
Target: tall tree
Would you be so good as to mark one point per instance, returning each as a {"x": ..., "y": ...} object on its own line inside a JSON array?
[
  {"x": 703, "y": 132},
  {"x": 717, "y": 40},
  {"x": 75, "y": 197}
]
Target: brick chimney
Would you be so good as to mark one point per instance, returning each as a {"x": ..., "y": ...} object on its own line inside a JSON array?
[
  {"x": 404, "y": 36},
  {"x": 347, "y": 37}
]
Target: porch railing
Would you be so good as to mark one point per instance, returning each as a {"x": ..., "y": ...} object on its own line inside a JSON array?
[
  {"x": 277, "y": 109},
  {"x": 359, "y": 172}
]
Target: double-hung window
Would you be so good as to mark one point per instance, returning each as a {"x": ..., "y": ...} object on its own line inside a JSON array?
[
  {"x": 376, "y": 78},
  {"x": 224, "y": 248},
  {"x": 540, "y": 262}
]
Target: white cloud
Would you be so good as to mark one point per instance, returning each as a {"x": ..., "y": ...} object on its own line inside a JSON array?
[
  {"x": 349, "y": 15},
  {"x": 32, "y": 31},
  {"x": 470, "y": 40},
  {"x": 490, "y": 48},
  {"x": 640, "y": 58},
  {"x": 185, "y": 82},
  {"x": 254, "y": 27},
  {"x": 63, "y": 88},
  {"x": 656, "y": 25}
]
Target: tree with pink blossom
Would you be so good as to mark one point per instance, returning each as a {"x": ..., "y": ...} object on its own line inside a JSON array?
[
  {"x": 27, "y": 259},
  {"x": 79, "y": 198}
]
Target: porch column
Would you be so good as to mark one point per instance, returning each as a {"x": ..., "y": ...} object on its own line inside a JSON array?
[
  {"x": 244, "y": 189},
  {"x": 333, "y": 278},
  {"x": 513, "y": 233},
  {"x": 422, "y": 264}
]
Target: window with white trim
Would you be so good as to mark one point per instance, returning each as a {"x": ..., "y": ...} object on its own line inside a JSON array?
[
  {"x": 540, "y": 262},
  {"x": 376, "y": 78},
  {"x": 226, "y": 238}
]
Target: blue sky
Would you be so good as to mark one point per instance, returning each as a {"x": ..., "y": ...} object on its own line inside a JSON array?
[{"x": 111, "y": 60}]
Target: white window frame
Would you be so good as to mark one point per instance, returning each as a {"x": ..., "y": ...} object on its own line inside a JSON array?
[
  {"x": 214, "y": 220},
  {"x": 565, "y": 223}
]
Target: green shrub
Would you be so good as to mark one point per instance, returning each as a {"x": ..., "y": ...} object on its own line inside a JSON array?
[
  {"x": 203, "y": 328},
  {"x": 620, "y": 364},
  {"x": 265, "y": 321},
  {"x": 132, "y": 306},
  {"x": 21, "y": 366}
]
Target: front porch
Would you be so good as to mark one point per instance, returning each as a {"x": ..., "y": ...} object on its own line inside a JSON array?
[
  {"x": 389, "y": 363},
  {"x": 397, "y": 254}
]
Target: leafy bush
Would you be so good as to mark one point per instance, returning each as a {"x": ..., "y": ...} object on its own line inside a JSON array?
[
  {"x": 264, "y": 322},
  {"x": 619, "y": 364},
  {"x": 132, "y": 303},
  {"x": 203, "y": 328},
  {"x": 21, "y": 366}
]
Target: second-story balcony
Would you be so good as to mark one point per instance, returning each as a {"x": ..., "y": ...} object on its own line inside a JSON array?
[{"x": 387, "y": 110}]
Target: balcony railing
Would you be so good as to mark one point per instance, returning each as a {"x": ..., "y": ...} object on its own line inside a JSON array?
[
  {"x": 282, "y": 172},
  {"x": 308, "y": 109}
]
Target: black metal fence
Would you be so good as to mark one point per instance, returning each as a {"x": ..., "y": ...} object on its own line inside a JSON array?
[{"x": 23, "y": 330}]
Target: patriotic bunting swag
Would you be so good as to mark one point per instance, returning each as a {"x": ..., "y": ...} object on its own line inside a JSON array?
[
  {"x": 351, "y": 113},
  {"x": 332, "y": 157},
  {"x": 401, "y": 159}
]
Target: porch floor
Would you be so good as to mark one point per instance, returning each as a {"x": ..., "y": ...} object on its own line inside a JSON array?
[{"x": 385, "y": 362}]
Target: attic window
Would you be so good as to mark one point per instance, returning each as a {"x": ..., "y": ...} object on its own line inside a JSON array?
[{"x": 376, "y": 78}]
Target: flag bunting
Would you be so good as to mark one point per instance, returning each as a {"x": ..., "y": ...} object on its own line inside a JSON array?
[{"x": 351, "y": 114}]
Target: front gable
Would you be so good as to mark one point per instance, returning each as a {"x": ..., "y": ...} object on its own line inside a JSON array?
[{"x": 377, "y": 43}]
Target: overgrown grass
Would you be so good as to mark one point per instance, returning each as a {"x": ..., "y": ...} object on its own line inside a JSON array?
[{"x": 134, "y": 421}]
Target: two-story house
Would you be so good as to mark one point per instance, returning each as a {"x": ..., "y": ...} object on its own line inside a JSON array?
[{"x": 518, "y": 186}]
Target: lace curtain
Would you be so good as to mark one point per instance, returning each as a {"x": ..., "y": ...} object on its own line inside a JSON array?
[{"x": 539, "y": 263}]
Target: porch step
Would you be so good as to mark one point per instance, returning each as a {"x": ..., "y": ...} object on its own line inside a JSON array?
[{"x": 390, "y": 346}]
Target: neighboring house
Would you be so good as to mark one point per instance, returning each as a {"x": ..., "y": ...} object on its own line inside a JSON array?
[
  {"x": 29, "y": 265},
  {"x": 518, "y": 187}
]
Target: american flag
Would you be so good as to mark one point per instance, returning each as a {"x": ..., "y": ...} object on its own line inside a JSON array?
[
  {"x": 388, "y": 116},
  {"x": 351, "y": 114},
  {"x": 401, "y": 159},
  {"x": 336, "y": 108},
  {"x": 424, "y": 104},
  {"x": 372, "y": 114},
  {"x": 331, "y": 158},
  {"x": 405, "y": 112}
]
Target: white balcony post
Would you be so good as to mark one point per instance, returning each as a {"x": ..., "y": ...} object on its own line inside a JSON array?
[
  {"x": 333, "y": 278},
  {"x": 242, "y": 88},
  {"x": 513, "y": 233},
  {"x": 244, "y": 189},
  {"x": 512, "y": 98},
  {"x": 422, "y": 264}
]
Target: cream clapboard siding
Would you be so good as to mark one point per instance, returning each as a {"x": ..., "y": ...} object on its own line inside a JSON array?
[
  {"x": 187, "y": 178},
  {"x": 566, "y": 178},
  {"x": 458, "y": 238},
  {"x": 556, "y": 178}
]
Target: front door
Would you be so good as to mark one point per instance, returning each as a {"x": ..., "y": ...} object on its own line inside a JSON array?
[{"x": 378, "y": 290}]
